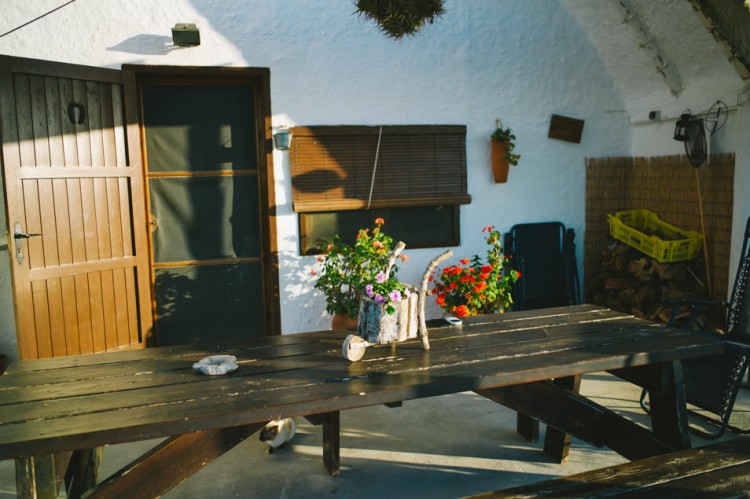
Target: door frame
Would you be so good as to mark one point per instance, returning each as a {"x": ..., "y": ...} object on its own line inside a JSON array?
[{"x": 137, "y": 75}]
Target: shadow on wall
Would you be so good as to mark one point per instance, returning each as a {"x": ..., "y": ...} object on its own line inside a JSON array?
[{"x": 146, "y": 45}]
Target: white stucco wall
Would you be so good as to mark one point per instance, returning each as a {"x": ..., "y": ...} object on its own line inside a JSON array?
[{"x": 516, "y": 61}]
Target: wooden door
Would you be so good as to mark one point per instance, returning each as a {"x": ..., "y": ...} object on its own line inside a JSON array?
[{"x": 75, "y": 208}]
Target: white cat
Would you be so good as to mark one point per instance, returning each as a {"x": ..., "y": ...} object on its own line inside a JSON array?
[{"x": 278, "y": 432}]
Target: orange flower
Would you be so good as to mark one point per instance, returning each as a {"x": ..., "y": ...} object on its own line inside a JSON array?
[
  {"x": 441, "y": 299},
  {"x": 379, "y": 221},
  {"x": 465, "y": 261},
  {"x": 462, "y": 311}
]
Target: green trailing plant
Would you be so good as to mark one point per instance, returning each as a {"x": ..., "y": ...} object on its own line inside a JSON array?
[
  {"x": 399, "y": 18},
  {"x": 506, "y": 135}
]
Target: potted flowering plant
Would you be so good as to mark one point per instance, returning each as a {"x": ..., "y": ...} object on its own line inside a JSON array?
[
  {"x": 473, "y": 287},
  {"x": 349, "y": 271},
  {"x": 503, "y": 144},
  {"x": 388, "y": 291}
]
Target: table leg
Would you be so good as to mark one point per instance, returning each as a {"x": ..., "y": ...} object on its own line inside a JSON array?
[
  {"x": 666, "y": 389},
  {"x": 527, "y": 427},
  {"x": 332, "y": 442},
  {"x": 669, "y": 417},
  {"x": 557, "y": 442},
  {"x": 36, "y": 477}
]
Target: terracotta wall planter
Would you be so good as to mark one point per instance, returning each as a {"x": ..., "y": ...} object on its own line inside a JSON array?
[{"x": 500, "y": 165}]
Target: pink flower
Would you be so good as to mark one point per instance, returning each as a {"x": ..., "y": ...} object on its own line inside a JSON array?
[
  {"x": 395, "y": 295},
  {"x": 380, "y": 277}
]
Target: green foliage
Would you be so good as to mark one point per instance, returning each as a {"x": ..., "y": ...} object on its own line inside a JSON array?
[
  {"x": 472, "y": 287},
  {"x": 398, "y": 18},
  {"x": 348, "y": 271},
  {"x": 506, "y": 135}
]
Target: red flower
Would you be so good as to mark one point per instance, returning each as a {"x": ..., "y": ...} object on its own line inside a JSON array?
[
  {"x": 462, "y": 311},
  {"x": 441, "y": 299},
  {"x": 465, "y": 261},
  {"x": 487, "y": 268}
]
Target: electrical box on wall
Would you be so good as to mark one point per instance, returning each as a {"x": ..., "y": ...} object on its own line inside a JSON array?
[{"x": 186, "y": 35}]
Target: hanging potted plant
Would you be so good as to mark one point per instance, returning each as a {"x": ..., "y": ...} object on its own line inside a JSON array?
[{"x": 503, "y": 144}]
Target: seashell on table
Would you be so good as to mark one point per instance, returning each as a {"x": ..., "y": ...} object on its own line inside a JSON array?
[{"x": 216, "y": 364}]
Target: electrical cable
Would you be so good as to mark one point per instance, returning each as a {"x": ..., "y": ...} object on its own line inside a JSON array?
[{"x": 37, "y": 18}]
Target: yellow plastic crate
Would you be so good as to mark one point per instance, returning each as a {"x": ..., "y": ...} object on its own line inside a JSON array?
[{"x": 644, "y": 231}]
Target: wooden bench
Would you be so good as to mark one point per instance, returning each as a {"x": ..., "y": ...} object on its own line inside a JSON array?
[{"x": 717, "y": 470}]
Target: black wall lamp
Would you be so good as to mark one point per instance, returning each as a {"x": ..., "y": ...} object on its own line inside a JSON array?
[
  {"x": 681, "y": 127},
  {"x": 186, "y": 35}
]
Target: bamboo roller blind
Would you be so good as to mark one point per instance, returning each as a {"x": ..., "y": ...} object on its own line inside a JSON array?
[{"x": 417, "y": 165}]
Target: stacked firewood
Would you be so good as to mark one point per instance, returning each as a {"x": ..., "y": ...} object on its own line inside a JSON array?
[{"x": 634, "y": 283}]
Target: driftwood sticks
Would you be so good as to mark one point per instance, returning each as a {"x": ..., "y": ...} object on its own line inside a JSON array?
[
  {"x": 423, "y": 293},
  {"x": 392, "y": 259}
]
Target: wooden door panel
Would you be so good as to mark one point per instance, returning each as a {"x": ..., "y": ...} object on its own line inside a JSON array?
[{"x": 83, "y": 286}]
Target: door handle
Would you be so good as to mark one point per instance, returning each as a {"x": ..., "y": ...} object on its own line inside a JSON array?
[{"x": 19, "y": 236}]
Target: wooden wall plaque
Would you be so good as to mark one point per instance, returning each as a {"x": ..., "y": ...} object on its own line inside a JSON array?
[{"x": 564, "y": 128}]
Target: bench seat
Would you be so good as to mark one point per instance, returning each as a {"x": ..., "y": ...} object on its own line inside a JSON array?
[{"x": 717, "y": 470}]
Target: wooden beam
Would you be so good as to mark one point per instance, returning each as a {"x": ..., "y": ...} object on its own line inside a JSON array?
[
  {"x": 171, "y": 462},
  {"x": 582, "y": 418}
]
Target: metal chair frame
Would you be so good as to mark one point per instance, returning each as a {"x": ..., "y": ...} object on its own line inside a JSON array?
[{"x": 728, "y": 368}]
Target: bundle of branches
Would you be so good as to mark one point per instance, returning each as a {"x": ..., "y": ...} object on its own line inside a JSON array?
[{"x": 398, "y": 18}]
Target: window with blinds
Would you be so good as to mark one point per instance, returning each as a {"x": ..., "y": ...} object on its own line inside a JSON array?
[
  {"x": 358, "y": 167},
  {"x": 343, "y": 177}
]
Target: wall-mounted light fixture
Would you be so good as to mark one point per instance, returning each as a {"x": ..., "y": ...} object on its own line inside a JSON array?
[
  {"x": 681, "y": 128},
  {"x": 186, "y": 35},
  {"x": 282, "y": 138}
]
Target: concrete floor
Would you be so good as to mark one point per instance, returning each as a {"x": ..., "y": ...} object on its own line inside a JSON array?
[{"x": 448, "y": 446}]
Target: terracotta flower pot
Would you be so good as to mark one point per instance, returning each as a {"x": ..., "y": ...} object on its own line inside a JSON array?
[
  {"x": 343, "y": 321},
  {"x": 500, "y": 164}
]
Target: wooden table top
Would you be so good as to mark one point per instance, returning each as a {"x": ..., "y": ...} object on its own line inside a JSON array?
[{"x": 67, "y": 403}]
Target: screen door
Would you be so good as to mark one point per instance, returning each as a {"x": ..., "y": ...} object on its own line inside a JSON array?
[{"x": 202, "y": 168}]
